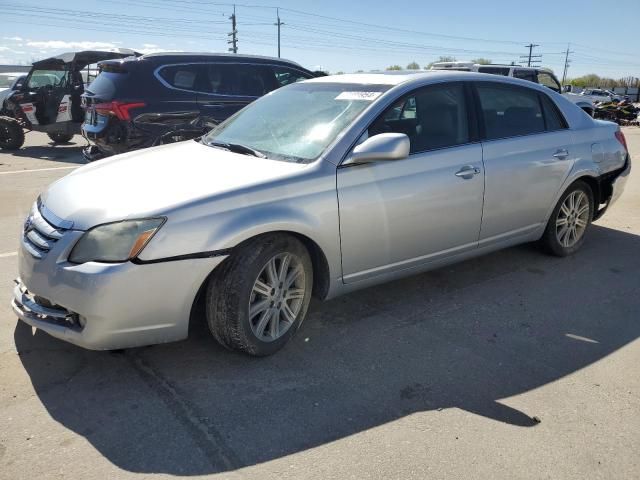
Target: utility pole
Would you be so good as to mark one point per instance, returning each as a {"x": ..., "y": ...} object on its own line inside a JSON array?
[
  {"x": 566, "y": 63},
  {"x": 531, "y": 58},
  {"x": 278, "y": 24},
  {"x": 234, "y": 32}
]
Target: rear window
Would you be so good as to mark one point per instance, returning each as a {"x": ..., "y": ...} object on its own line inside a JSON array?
[{"x": 106, "y": 84}]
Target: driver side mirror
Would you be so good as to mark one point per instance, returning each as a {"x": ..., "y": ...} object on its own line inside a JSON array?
[{"x": 384, "y": 146}]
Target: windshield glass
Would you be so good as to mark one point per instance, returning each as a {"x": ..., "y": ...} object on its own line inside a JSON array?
[
  {"x": 44, "y": 78},
  {"x": 297, "y": 122}
]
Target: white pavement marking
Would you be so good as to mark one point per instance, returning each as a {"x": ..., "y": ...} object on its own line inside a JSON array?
[
  {"x": 39, "y": 170},
  {"x": 8, "y": 254}
]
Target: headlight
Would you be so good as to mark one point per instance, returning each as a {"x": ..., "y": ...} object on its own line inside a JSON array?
[{"x": 115, "y": 242}]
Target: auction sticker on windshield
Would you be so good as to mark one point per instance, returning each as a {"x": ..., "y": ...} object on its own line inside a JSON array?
[{"x": 370, "y": 96}]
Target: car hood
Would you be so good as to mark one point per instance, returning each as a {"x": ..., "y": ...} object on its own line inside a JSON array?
[{"x": 155, "y": 180}]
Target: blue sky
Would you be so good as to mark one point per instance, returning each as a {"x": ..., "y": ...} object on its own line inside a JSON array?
[{"x": 337, "y": 35}]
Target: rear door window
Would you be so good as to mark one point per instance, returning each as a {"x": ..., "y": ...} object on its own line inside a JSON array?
[
  {"x": 183, "y": 77},
  {"x": 509, "y": 111},
  {"x": 432, "y": 117},
  {"x": 548, "y": 80},
  {"x": 495, "y": 70},
  {"x": 529, "y": 75},
  {"x": 238, "y": 79}
]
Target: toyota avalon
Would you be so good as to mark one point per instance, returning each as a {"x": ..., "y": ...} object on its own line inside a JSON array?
[{"x": 318, "y": 188}]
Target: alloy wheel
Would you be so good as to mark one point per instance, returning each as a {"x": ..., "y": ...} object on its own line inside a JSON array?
[
  {"x": 573, "y": 218},
  {"x": 277, "y": 297}
]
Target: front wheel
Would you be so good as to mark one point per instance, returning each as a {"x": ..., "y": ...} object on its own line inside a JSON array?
[
  {"x": 259, "y": 296},
  {"x": 60, "y": 137},
  {"x": 569, "y": 222}
]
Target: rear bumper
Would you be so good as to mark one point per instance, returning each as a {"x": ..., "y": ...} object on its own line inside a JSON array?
[
  {"x": 114, "y": 137},
  {"x": 620, "y": 182}
]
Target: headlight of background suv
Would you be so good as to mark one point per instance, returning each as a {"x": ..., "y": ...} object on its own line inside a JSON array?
[{"x": 115, "y": 242}]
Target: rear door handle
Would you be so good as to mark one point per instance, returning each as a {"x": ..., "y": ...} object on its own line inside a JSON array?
[
  {"x": 561, "y": 154},
  {"x": 467, "y": 172}
]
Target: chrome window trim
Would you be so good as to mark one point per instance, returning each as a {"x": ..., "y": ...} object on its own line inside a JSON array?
[{"x": 156, "y": 73}]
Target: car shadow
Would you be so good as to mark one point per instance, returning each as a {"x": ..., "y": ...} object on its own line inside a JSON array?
[
  {"x": 467, "y": 336},
  {"x": 67, "y": 152}
]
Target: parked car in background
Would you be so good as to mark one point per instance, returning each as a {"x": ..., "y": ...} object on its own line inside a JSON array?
[
  {"x": 48, "y": 99},
  {"x": 168, "y": 97},
  {"x": 601, "y": 95},
  {"x": 319, "y": 188},
  {"x": 8, "y": 82},
  {"x": 542, "y": 76}
]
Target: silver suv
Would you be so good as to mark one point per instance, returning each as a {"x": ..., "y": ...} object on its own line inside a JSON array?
[{"x": 319, "y": 188}]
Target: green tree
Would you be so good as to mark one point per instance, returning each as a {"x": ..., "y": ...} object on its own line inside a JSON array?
[
  {"x": 394, "y": 67},
  {"x": 481, "y": 61},
  {"x": 441, "y": 59},
  {"x": 413, "y": 66}
]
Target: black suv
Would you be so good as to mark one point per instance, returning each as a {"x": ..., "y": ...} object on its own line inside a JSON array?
[{"x": 167, "y": 97}]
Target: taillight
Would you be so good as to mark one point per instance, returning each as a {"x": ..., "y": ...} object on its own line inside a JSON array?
[
  {"x": 621, "y": 139},
  {"x": 119, "y": 109}
]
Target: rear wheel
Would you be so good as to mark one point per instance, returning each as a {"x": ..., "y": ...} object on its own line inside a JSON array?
[
  {"x": 11, "y": 134},
  {"x": 569, "y": 221},
  {"x": 60, "y": 137},
  {"x": 260, "y": 295}
]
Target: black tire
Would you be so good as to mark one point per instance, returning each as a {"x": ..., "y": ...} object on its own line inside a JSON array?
[
  {"x": 230, "y": 288},
  {"x": 550, "y": 240},
  {"x": 60, "y": 137},
  {"x": 11, "y": 134}
]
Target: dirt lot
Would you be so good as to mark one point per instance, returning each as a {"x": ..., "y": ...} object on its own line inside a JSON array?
[{"x": 514, "y": 365}]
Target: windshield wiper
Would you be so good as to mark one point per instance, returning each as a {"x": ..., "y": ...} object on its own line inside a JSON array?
[{"x": 237, "y": 148}]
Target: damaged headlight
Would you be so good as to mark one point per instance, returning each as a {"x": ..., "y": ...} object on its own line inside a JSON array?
[{"x": 115, "y": 242}]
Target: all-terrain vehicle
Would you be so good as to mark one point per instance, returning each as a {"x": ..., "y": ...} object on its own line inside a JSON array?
[{"x": 49, "y": 98}]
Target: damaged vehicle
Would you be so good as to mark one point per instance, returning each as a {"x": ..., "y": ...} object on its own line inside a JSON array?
[
  {"x": 49, "y": 98},
  {"x": 162, "y": 98},
  {"x": 319, "y": 188}
]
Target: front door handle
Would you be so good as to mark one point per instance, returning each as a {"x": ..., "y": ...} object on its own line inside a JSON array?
[
  {"x": 561, "y": 154},
  {"x": 467, "y": 172}
]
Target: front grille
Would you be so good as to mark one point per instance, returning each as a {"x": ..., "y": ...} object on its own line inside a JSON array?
[{"x": 39, "y": 236}]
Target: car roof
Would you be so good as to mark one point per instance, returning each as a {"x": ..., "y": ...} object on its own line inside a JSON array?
[
  {"x": 84, "y": 58},
  {"x": 167, "y": 57},
  {"x": 420, "y": 77}
]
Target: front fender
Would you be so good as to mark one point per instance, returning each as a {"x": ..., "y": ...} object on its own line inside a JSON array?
[{"x": 307, "y": 208}]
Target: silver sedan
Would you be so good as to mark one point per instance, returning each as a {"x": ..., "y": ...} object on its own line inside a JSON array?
[{"x": 319, "y": 188}]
